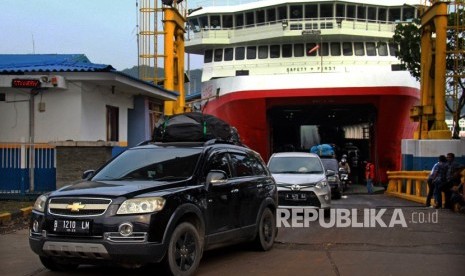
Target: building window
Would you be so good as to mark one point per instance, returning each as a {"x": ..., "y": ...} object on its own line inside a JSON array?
[
  {"x": 239, "y": 20},
  {"x": 262, "y": 52},
  {"x": 240, "y": 53},
  {"x": 326, "y": 10},
  {"x": 371, "y": 49},
  {"x": 251, "y": 52},
  {"x": 227, "y": 21},
  {"x": 382, "y": 49},
  {"x": 275, "y": 51},
  {"x": 311, "y": 11},
  {"x": 271, "y": 13},
  {"x": 335, "y": 49},
  {"x": 218, "y": 55},
  {"x": 2, "y": 97},
  {"x": 228, "y": 54},
  {"x": 347, "y": 49},
  {"x": 359, "y": 49},
  {"x": 208, "y": 56},
  {"x": 298, "y": 50},
  {"x": 287, "y": 50},
  {"x": 112, "y": 123}
]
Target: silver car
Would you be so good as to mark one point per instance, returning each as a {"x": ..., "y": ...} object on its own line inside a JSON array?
[{"x": 301, "y": 180}]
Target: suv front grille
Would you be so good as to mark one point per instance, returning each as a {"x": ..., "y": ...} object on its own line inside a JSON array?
[{"x": 78, "y": 206}]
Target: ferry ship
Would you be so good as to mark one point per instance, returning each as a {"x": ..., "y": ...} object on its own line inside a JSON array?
[{"x": 292, "y": 74}]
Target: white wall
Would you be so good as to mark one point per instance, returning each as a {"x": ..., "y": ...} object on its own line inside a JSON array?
[
  {"x": 14, "y": 115},
  {"x": 77, "y": 113},
  {"x": 94, "y": 102}
]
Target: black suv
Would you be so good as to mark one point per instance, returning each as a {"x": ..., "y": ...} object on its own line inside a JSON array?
[{"x": 158, "y": 202}]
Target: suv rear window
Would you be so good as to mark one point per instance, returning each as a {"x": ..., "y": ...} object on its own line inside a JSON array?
[{"x": 151, "y": 164}]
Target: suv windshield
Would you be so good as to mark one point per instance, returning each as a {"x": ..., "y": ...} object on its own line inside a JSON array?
[
  {"x": 295, "y": 165},
  {"x": 151, "y": 164}
]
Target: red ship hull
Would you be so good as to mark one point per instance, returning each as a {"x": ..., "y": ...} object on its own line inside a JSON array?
[{"x": 248, "y": 112}]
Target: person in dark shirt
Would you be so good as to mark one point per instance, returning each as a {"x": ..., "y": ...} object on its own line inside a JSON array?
[{"x": 452, "y": 179}]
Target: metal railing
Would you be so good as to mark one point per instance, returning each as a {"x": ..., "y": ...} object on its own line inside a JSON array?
[{"x": 410, "y": 185}]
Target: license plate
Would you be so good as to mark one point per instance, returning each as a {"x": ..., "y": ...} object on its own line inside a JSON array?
[
  {"x": 296, "y": 196},
  {"x": 71, "y": 226}
]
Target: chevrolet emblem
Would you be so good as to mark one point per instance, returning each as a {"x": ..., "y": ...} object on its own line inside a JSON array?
[{"x": 75, "y": 207}]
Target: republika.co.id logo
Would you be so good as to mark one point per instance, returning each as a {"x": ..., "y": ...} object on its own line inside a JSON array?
[{"x": 356, "y": 218}]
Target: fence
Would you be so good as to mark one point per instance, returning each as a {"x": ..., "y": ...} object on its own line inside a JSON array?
[
  {"x": 20, "y": 162},
  {"x": 410, "y": 185}
]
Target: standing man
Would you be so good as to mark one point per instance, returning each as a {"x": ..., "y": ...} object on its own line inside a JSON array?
[
  {"x": 434, "y": 172},
  {"x": 451, "y": 179},
  {"x": 369, "y": 175}
]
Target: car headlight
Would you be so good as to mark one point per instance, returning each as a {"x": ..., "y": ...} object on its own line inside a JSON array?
[
  {"x": 321, "y": 184},
  {"x": 39, "y": 205},
  {"x": 141, "y": 205}
]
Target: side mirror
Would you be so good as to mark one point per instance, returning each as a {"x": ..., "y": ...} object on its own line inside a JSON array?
[
  {"x": 88, "y": 174},
  {"x": 330, "y": 173},
  {"x": 216, "y": 177}
]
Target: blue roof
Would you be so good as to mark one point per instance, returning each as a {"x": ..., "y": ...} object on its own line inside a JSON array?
[{"x": 50, "y": 63}]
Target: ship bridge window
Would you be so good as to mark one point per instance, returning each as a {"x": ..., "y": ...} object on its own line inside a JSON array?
[
  {"x": 203, "y": 22},
  {"x": 371, "y": 14},
  {"x": 361, "y": 13},
  {"x": 312, "y": 49},
  {"x": 326, "y": 10},
  {"x": 296, "y": 12},
  {"x": 207, "y": 58},
  {"x": 227, "y": 21},
  {"x": 218, "y": 55},
  {"x": 359, "y": 49},
  {"x": 347, "y": 49},
  {"x": 260, "y": 15},
  {"x": 228, "y": 54},
  {"x": 271, "y": 15},
  {"x": 393, "y": 48},
  {"x": 298, "y": 50},
  {"x": 240, "y": 53},
  {"x": 262, "y": 52},
  {"x": 340, "y": 10},
  {"x": 371, "y": 49},
  {"x": 215, "y": 22},
  {"x": 311, "y": 26},
  {"x": 251, "y": 52},
  {"x": 249, "y": 19},
  {"x": 287, "y": 50},
  {"x": 275, "y": 51},
  {"x": 382, "y": 49},
  {"x": 408, "y": 14},
  {"x": 194, "y": 23},
  {"x": 351, "y": 11},
  {"x": 394, "y": 14},
  {"x": 382, "y": 14},
  {"x": 282, "y": 12},
  {"x": 335, "y": 49},
  {"x": 311, "y": 11},
  {"x": 324, "y": 49},
  {"x": 239, "y": 20}
]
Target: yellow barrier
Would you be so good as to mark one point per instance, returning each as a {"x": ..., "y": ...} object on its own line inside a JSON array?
[{"x": 410, "y": 185}]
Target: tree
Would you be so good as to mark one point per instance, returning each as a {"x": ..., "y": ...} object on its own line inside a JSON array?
[{"x": 408, "y": 37}]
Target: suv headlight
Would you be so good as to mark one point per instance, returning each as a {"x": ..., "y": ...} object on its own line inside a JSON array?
[
  {"x": 141, "y": 205},
  {"x": 39, "y": 205},
  {"x": 321, "y": 184}
]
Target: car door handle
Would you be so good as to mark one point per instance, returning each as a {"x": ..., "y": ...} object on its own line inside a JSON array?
[
  {"x": 260, "y": 186},
  {"x": 234, "y": 191}
]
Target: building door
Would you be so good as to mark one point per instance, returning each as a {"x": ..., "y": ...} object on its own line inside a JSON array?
[{"x": 112, "y": 123}]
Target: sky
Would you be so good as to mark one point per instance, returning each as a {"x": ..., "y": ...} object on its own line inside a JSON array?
[{"x": 104, "y": 30}]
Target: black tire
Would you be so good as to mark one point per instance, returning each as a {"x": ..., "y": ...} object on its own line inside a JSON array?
[
  {"x": 266, "y": 232},
  {"x": 184, "y": 250},
  {"x": 52, "y": 264}
]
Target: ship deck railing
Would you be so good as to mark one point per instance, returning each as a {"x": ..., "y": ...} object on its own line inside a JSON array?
[{"x": 326, "y": 26}]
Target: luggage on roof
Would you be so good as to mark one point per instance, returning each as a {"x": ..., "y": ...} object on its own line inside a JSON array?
[
  {"x": 323, "y": 150},
  {"x": 194, "y": 127}
]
